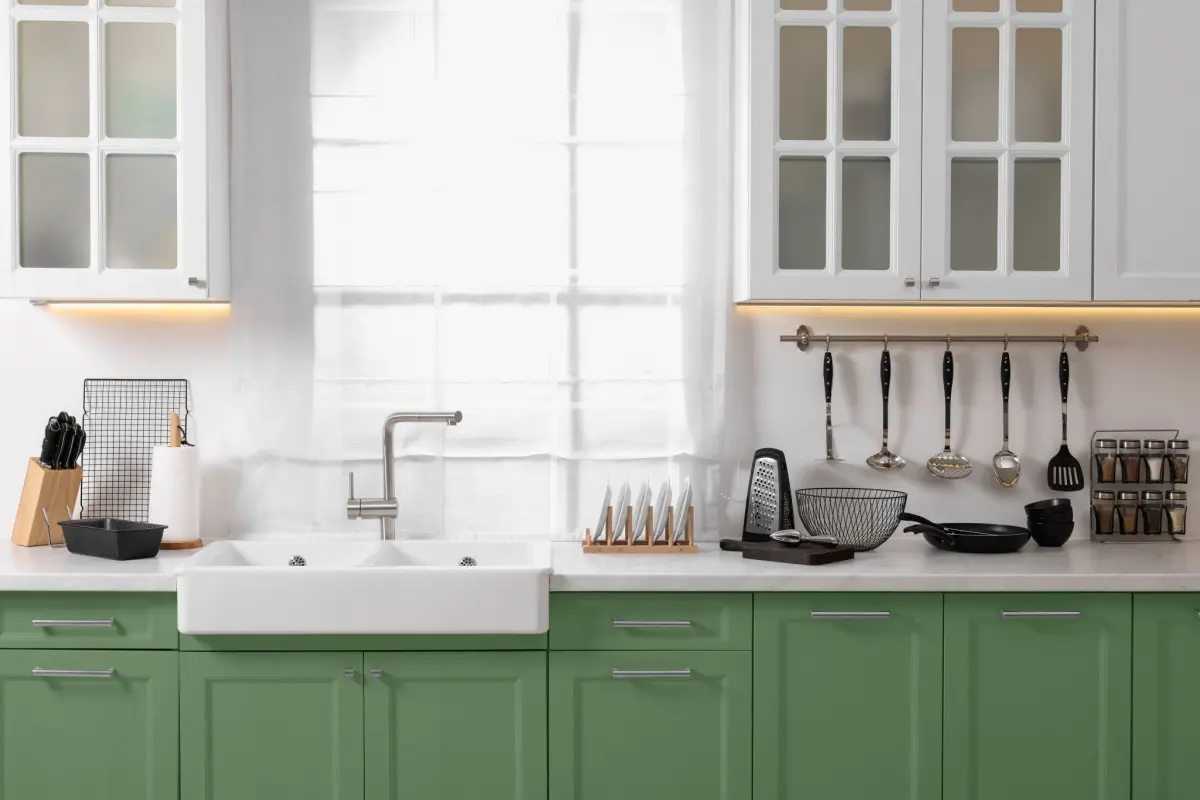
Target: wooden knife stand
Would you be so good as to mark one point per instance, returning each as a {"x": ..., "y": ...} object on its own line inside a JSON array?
[
  {"x": 54, "y": 490},
  {"x": 648, "y": 546}
]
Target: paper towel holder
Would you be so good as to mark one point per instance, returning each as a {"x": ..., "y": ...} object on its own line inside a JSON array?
[{"x": 176, "y": 441}]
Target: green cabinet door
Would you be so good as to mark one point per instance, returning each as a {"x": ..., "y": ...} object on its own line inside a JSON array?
[
  {"x": 447, "y": 726},
  {"x": 1037, "y": 696},
  {"x": 650, "y": 725},
  {"x": 1166, "y": 696},
  {"x": 271, "y": 725},
  {"x": 848, "y": 696},
  {"x": 96, "y": 724}
]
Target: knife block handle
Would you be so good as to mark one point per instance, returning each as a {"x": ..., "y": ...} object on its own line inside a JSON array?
[{"x": 54, "y": 490}]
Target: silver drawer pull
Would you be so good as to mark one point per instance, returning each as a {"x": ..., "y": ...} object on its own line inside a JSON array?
[
  {"x": 38, "y": 672},
  {"x": 1040, "y": 614},
  {"x": 652, "y": 673},
  {"x": 652, "y": 623},
  {"x": 851, "y": 614},
  {"x": 349, "y": 673},
  {"x": 376, "y": 673},
  {"x": 74, "y": 623}
]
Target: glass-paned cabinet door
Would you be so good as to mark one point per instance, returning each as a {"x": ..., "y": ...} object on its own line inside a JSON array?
[
  {"x": 832, "y": 150},
  {"x": 108, "y": 111},
  {"x": 1008, "y": 150}
]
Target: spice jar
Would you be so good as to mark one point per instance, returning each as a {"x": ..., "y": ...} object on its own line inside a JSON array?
[
  {"x": 1152, "y": 512},
  {"x": 1103, "y": 505},
  {"x": 1104, "y": 454},
  {"x": 1176, "y": 506},
  {"x": 1127, "y": 512},
  {"x": 1154, "y": 456},
  {"x": 1177, "y": 460},
  {"x": 1130, "y": 454}
]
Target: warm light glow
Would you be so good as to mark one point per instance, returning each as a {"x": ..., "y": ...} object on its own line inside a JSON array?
[
  {"x": 157, "y": 311},
  {"x": 948, "y": 311}
]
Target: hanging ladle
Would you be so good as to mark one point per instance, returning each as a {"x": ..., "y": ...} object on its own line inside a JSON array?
[
  {"x": 885, "y": 459},
  {"x": 949, "y": 464}
]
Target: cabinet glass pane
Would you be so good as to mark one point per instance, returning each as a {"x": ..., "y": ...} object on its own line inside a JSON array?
[
  {"x": 801, "y": 213},
  {"x": 974, "y": 214},
  {"x": 803, "y": 73},
  {"x": 53, "y": 2},
  {"x": 140, "y": 80},
  {"x": 1040, "y": 6},
  {"x": 976, "y": 5},
  {"x": 1039, "y": 85},
  {"x": 1037, "y": 214},
  {"x": 975, "y": 85},
  {"x": 53, "y": 88},
  {"x": 143, "y": 3},
  {"x": 803, "y": 5},
  {"x": 867, "y": 5},
  {"x": 142, "y": 217},
  {"x": 866, "y": 213},
  {"x": 55, "y": 208},
  {"x": 867, "y": 84}
]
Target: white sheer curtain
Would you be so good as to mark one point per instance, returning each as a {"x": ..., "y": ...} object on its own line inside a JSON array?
[{"x": 519, "y": 211}]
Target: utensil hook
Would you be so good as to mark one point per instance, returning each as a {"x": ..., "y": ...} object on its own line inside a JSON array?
[
  {"x": 947, "y": 343},
  {"x": 1006, "y": 342},
  {"x": 1064, "y": 349},
  {"x": 827, "y": 343},
  {"x": 885, "y": 343}
]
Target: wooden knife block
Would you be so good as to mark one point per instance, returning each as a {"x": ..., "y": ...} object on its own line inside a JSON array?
[{"x": 52, "y": 489}]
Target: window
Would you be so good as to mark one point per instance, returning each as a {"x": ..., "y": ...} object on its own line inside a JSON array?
[{"x": 519, "y": 211}]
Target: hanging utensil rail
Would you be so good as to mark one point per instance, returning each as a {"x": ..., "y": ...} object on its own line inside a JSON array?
[{"x": 805, "y": 337}]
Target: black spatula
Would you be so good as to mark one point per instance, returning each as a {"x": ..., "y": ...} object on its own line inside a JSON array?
[{"x": 1064, "y": 473}]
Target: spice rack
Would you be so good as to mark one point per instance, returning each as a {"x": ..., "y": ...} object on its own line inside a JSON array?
[{"x": 1102, "y": 469}]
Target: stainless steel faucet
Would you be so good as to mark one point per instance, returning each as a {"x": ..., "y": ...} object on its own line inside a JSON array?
[{"x": 386, "y": 508}]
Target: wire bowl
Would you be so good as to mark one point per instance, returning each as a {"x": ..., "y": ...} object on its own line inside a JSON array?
[{"x": 861, "y": 519}]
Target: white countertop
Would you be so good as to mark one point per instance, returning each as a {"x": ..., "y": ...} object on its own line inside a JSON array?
[{"x": 901, "y": 565}]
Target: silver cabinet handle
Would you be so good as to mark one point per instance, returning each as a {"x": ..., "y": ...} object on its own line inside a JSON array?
[
  {"x": 652, "y": 673},
  {"x": 851, "y": 614},
  {"x": 349, "y": 673},
  {"x": 910, "y": 282},
  {"x": 74, "y": 623},
  {"x": 1040, "y": 614},
  {"x": 652, "y": 623},
  {"x": 376, "y": 673},
  {"x": 935, "y": 282},
  {"x": 38, "y": 672}
]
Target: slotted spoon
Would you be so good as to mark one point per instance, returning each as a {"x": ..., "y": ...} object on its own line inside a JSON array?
[
  {"x": 1064, "y": 474},
  {"x": 949, "y": 464}
]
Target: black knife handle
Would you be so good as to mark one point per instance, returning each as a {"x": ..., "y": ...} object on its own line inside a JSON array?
[
  {"x": 79, "y": 443},
  {"x": 828, "y": 377},
  {"x": 885, "y": 381},
  {"x": 948, "y": 383},
  {"x": 66, "y": 442},
  {"x": 1064, "y": 373},
  {"x": 50, "y": 443},
  {"x": 1005, "y": 375}
]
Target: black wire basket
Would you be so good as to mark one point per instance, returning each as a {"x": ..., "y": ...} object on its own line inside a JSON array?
[{"x": 861, "y": 519}]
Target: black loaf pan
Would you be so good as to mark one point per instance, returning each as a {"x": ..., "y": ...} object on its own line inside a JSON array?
[{"x": 115, "y": 539}]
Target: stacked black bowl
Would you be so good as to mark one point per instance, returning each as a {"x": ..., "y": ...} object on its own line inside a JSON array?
[{"x": 1051, "y": 522}]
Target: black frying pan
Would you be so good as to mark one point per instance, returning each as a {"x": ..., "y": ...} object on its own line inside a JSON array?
[{"x": 969, "y": 537}]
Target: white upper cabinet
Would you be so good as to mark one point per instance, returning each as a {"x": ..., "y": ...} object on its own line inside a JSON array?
[
  {"x": 114, "y": 185},
  {"x": 1147, "y": 116},
  {"x": 1008, "y": 150},
  {"x": 832, "y": 151}
]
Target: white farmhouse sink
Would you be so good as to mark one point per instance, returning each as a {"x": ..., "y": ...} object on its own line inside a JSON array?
[{"x": 365, "y": 588}]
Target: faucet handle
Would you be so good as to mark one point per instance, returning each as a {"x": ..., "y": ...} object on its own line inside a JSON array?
[{"x": 351, "y": 485}]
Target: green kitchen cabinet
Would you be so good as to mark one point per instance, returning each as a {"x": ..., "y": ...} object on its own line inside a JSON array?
[
  {"x": 1037, "y": 696},
  {"x": 848, "y": 696},
  {"x": 650, "y": 725},
  {"x": 271, "y": 725},
  {"x": 444, "y": 726},
  {"x": 1166, "y": 697},
  {"x": 96, "y": 724}
]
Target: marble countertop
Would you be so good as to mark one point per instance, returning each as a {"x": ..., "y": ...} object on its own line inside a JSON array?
[{"x": 901, "y": 565}]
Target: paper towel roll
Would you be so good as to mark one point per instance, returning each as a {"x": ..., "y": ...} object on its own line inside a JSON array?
[{"x": 175, "y": 492}]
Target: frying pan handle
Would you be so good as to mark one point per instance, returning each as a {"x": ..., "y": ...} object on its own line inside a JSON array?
[
  {"x": 906, "y": 516},
  {"x": 828, "y": 377},
  {"x": 933, "y": 532}
]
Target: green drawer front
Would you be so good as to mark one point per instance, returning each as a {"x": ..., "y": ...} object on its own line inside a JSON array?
[
  {"x": 88, "y": 621},
  {"x": 631, "y": 621}
]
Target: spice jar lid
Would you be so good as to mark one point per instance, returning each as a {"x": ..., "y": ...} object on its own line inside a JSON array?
[
  {"x": 1101, "y": 494},
  {"x": 1178, "y": 444},
  {"x": 1131, "y": 444},
  {"x": 1152, "y": 497},
  {"x": 1128, "y": 496},
  {"x": 1154, "y": 444},
  {"x": 1177, "y": 495},
  {"x": 1106, "y": 443}
]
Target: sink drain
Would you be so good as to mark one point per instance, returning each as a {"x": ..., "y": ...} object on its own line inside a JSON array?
[
  {"x": 297, "y": 561},
  {"x": 467, "y": 562}
]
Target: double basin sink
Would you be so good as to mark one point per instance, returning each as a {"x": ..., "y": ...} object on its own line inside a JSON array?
[{"x": 394, "y": 587}]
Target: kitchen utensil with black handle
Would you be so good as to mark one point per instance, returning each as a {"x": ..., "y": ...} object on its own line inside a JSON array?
[
  {"x": 50, "y": 443},
  {"x": 969, "y": 537},
  {"x": 828, "y": 375},
  {"x": 1064, "y": 474}
]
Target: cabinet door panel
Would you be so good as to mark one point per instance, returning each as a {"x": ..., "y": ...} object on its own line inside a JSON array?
[
  {"x": 650, "y": 725},
  {"x": 443, "y": 726},
  {"x": 875, "y": 695},
  {"x": 1166, "y": 699},
  {"x": 259, "y": 725},
  {"x": 1037, "y": 696},
  {"x": 79, "y": 731}
]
